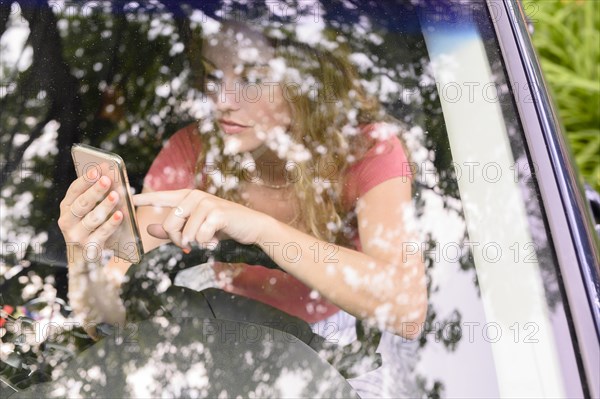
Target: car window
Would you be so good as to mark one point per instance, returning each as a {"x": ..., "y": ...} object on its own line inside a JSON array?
[{"x": 142, "y": 80}]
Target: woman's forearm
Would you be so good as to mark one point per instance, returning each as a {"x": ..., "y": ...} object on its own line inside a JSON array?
[
  {"x": 393, "y": 294},
  {"x": 93, "y": 290}
]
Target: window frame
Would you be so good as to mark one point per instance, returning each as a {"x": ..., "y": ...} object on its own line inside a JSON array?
[{"x": 567, "y": 216}]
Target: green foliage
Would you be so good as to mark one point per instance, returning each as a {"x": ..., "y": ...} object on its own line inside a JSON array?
[{"x": 567, "y": 38}]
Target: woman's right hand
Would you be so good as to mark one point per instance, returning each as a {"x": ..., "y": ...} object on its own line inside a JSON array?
[{"x": 84, "y": 211}]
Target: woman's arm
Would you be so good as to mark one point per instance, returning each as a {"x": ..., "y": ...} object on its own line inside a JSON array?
[
  {"x": 94, "y": 289},
  {"x": 385, "y": 282}
]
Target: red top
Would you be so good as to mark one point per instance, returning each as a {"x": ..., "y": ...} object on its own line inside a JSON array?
[{"x": 173, "y": 169}]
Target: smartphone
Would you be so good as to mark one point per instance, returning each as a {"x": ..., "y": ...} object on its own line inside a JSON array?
[{"x": 125, "y": 241}]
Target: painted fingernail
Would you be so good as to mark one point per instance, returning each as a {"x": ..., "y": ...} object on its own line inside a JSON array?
[
  {"x": 186, "y": 250},
  {"x": 112, "y": 196},
  {"x": 118, "y": 215}
]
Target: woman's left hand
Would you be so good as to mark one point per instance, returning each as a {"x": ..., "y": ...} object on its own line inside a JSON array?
[{"x": 202, "y": 217}]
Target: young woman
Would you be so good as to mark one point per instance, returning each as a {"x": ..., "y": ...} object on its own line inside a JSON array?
[{"x": 299, "y": 160}]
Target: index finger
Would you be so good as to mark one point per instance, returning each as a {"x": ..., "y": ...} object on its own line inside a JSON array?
[{"x": 160, "y": 198}]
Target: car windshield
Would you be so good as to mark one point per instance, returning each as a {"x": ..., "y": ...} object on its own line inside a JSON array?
[{"x": 348, "y": 96}]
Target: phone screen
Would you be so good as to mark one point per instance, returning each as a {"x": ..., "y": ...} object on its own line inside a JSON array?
[{"x": 125, "y": 241}]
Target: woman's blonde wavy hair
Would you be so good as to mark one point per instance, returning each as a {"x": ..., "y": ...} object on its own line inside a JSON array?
[{"x": 322, "y": 120}]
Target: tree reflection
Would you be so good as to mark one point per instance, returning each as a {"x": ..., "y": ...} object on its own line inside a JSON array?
[{"x": 115, "y": 76}]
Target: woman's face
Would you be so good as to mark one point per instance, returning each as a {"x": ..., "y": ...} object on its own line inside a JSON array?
[{"x": 249, "y": 102}]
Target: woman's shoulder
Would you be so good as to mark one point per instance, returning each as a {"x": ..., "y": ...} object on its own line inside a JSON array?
[
  {"x": 381, "y": 137},
  {"x": 380, "y": 144},
  {"x": 174, "y": 166},
  {"x": 384, "y": 157},
  {"x": 185, "y": 138}
]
